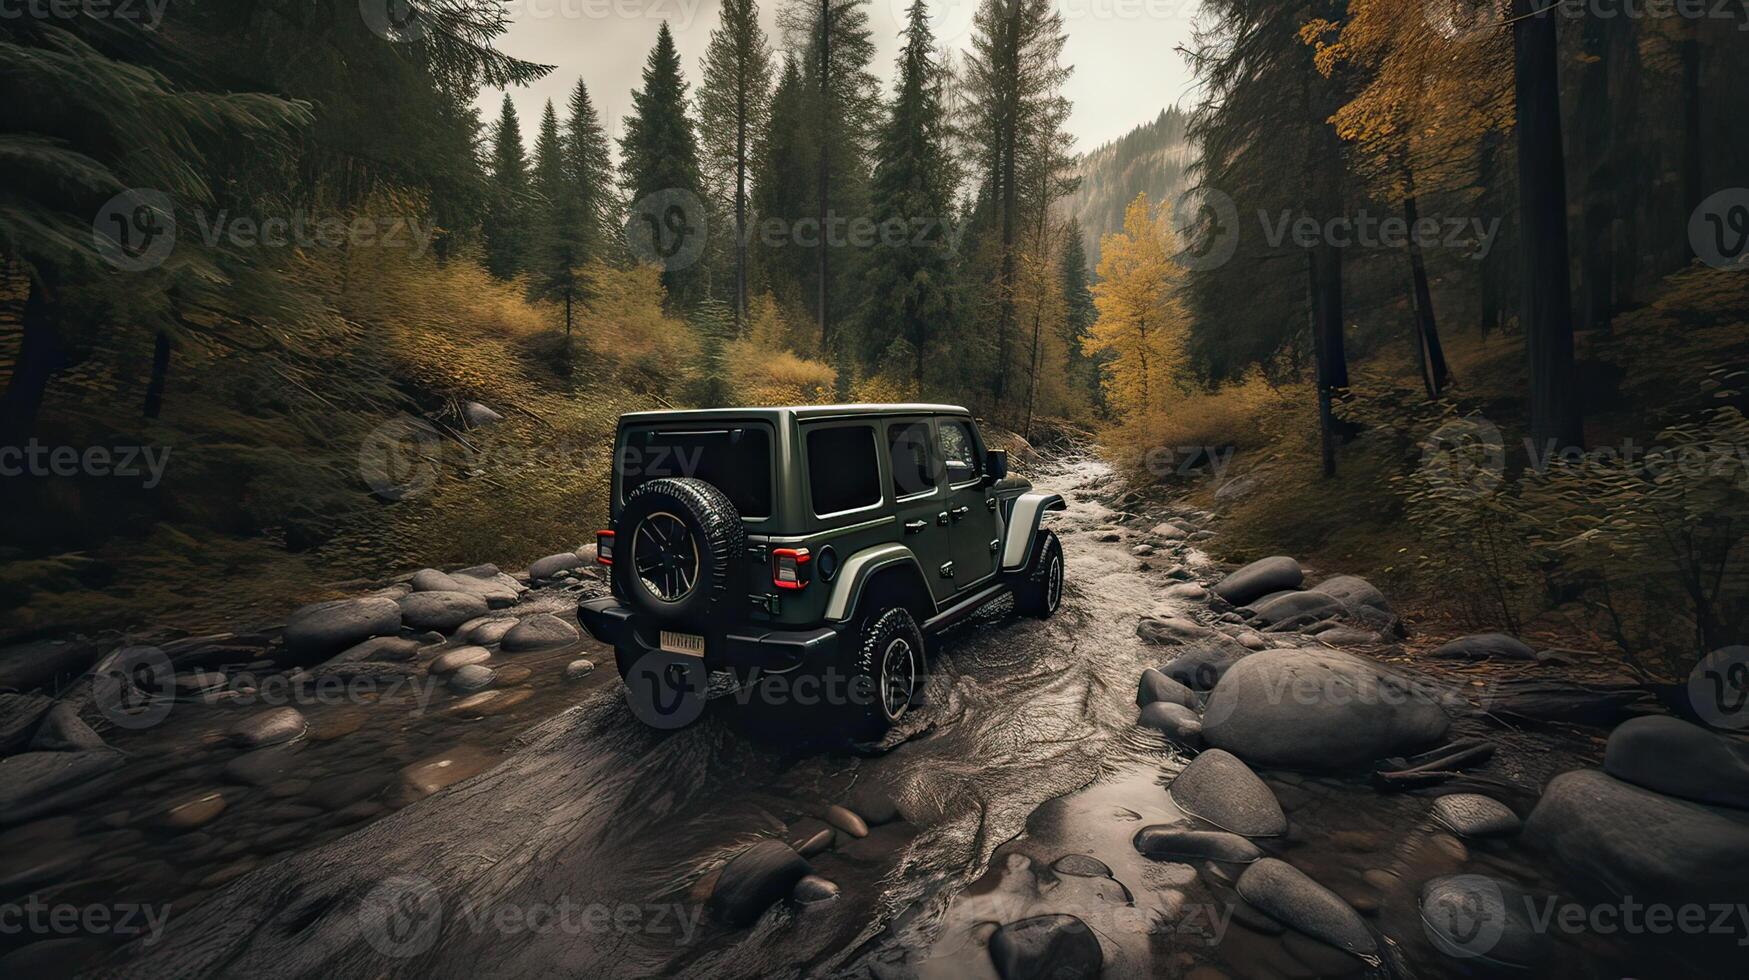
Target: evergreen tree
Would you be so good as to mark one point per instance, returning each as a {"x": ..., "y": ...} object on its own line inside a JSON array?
[
  {"x": 506, "y": 225},
  {"x": 912, "y": 282},
  {"x": 783, "y": 193},
  {"x": 734, "y": 104},
  {"x": 589, "y": 170},
  {"x": 559, "y": 247},
  {"x": 659, "y": 152},
  {"x": 1080, "y": 315}
]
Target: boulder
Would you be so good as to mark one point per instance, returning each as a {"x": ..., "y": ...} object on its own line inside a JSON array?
[
  {"x": 813, "y": 890},
  {"x": 1677, "y": 758},
  {"x": 325, "y": 628},
  {"x": 472, "y": 677},
  {"x": 1179, "y": 723},
  {"x": 1612, "y": 838},
  {"x": 441, "y": 611},
  {"x": 846, "y": 821},
  {"x": 1222, "y": 790},
  {"x": 499, "y": 590},
  {"x": 1284, "y": 893},
  {"x": 1168, "y": 531},
  {"x": 62, "y": 730},
  {"x": 1485, "y": 646},
  {"x": 270, "y": 727},
  {"x": 542, "y": 631},
  {"x": 432, "y": 580},
  {"x": 19, "y": 714},
  {"x": 378, "y": 648},
  {"x": 1188, "y": 591},
  {"x": 47, "y": 663},
  {"x": 1260, "y": 578},
  {"x": 755, "y": 878},
  {"x": 450, "y": 661},
  {"x": 1155, "y": 686},
  {"x": 1483, "y": 921},
  {"x": 34, "y": 783},
  {"x": 1164, "y": 842},
  {"x": 489, "y": 631},
  {"x": 1319, "y": 709},
  {"x": 1296, "y": 609},
  {"x": 1202, "y": 670},
  {"x": 1354, "y": 591},
  {"x": 550, "y": 566},
  {"x": 1474, "y": 815},
  {"x": 1046, "y": 947},
  {"x": 1081, "y": 866}
]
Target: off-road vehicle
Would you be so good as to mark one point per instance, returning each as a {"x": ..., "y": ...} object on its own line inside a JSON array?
[{"x": 816, "y": 540}]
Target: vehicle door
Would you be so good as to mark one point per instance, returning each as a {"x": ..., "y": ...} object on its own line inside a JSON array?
[
  {"x": 970, "y": 505},
  {"x": 921, "y": 502}
]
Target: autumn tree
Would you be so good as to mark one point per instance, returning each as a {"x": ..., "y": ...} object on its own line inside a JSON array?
[{"x": 1141, "y": 317}]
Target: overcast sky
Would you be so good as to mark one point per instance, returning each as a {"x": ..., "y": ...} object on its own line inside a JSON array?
[{"x": 1126, "y": 68}]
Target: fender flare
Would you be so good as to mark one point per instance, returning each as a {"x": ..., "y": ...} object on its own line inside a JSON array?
[
  {"x": 1023, "y": 523},
  {"x": 859, "y": 569}
]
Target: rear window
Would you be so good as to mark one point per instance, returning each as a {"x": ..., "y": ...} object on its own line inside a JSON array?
[
  {"x": 736, "y": 461},
  {"x": 908, "y": 446},
  {"x": 843, "y": 471}
]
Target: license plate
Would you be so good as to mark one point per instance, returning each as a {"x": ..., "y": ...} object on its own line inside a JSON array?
[{"x": 688, "y": 643}]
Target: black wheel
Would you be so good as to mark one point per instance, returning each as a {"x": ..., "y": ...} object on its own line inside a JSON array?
[
  {"x": 886, "y": 672},
  {"x": 1040, "y": 590},
  {"x": 674, "y": 548}
]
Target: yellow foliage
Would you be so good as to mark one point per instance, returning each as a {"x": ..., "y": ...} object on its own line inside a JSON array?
[
  {"x": 624, "y": 321},
  {"x": 761, "y": 375},
  {"x": 1142, "y": 320}
]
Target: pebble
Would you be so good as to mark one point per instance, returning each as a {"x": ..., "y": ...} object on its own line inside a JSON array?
[
  {"x": 843, "y": 819},
  {"x": 578, "y": 669},
  {"x": 270, "y": 727},
  {"x": 193, "y": 811}
]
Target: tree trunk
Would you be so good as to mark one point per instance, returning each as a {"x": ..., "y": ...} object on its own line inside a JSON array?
[
  {"x": 1434, "y": 371},
  {"x": 1542, "y": 192},
  {"x": 1625, "y": 75},
  {"x": 741, "y": 199},
  {"x": 825, "y": 157},
  {"x": 39, "y": 357},
  {"x": 1693, "y": 168},
  {"x": 1597, "y": 263},
  {"x": 1009, "y": 141},
  {"x": 1487, "y": 165},
  {"x": 160, "y": 368}
]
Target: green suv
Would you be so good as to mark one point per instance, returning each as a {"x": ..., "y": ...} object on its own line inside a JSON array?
[{"x": 820, "y": 542}]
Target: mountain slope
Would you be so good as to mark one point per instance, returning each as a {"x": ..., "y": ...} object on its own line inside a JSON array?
[{"x": 1151, "y": 158}]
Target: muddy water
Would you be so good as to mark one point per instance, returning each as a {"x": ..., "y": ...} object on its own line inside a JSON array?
[{"x": 1026, "y": 753}]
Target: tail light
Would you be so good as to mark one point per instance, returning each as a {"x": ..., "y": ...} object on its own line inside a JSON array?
[
  {"x": 789, "y": 567},
  {"x": 604, "y": 547}
]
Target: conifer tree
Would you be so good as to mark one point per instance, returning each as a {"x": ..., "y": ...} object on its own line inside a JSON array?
[
  {"x": 557, "y": 227},
  {"x": 1080, "y": 313},
  {"x": 659, "y": 153},
  {"x": 505, "y": 228},
  {"x": 783, "y": 193},
  {"x": 589, "y": 169},
  {"x": 734, "y": 104}
]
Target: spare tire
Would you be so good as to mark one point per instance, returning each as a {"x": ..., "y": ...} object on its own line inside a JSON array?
[{"x": 677, "y": 547}]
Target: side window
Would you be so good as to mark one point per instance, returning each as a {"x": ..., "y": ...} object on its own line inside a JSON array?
[
  {"x": 843, "y": 470},
  {"x": 960, "y": 451},
  {"x": 913, "y": 470}
]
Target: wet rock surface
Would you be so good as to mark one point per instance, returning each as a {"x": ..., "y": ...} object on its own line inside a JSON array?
[{"x": 1222, "y": 790}]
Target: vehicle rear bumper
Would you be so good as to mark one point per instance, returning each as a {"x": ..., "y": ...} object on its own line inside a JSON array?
[{"x": 743, "y": 646}]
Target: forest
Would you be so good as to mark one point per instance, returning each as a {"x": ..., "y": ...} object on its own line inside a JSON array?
[{"x": 277, "y": 242}]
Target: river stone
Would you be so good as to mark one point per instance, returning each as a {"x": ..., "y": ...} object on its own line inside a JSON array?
[
  {"x": 1188, "y": 591},
  {"x": 551, "y": 565},
  {"x": 441, "y": 611},
  {"x": 813, "y": 890},
  {"x": 1259, "y": 579},
  {"x": 472, "y": 677},
  {"x": 499, "y": 590},
  {"x": 1354, "y": 591},
  {"x": 1168, "y": 531},
  {"x": 1222, "y": 790},
  {"x": 1175, "y": 720},
  {"x": 1046, "y": 947},
  {"x": 193, "y": 810},
  {"x": 269, "y": 727},
  {"x": 1081, "y": 866},
  {"x": 1175, "y": 631},
  {"x": 263, "y": 767},
  {"x": 1295, "y": 610},
  {"x": 432, "y": 580},
  {"x": 542, "y": 631},
  {"x": 491, "y": 631},
  {"x": 1202, "y": 670},
  {"x": 19, "y": 714},
  {"x": 579, "y": 669},
  {"x": 1155, "y": 686},
  {"x": 755, "y": 878},
  {"x": 493, "y": 702},
  {"x": 1284, "y": 893},
  {"x": 1613, "y": 838},
  {"x": 1319, "y": 709},
  {"x": 847, "y": 821},
  {"x": 1485, "y": 646},
  {"x": 873, "y": 804},
  {"x": 1475, "y": 815},
  {"x": 512, "y": 674},
  {"x": 451, "y": 661},
  {"x": 1483, "y": 920},
  {"x": 62, "y": 730},
  {"x": 1165, "y": 842},
  {"x": 33, "y": 783},
  {"x": 1677, "y": 758},
  {"x": 377, "y": 648},
  {"x": 328, "y": 627}
]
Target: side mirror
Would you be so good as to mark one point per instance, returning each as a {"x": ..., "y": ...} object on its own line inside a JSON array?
[{"x": 995, "y": 465}]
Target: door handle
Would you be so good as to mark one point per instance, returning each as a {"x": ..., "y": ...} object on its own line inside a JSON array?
[
  {"x": 961, "y": 511},
  {"x": 913, "y": 527},
  {"x": 941, "y": 518},
  {"x": 990, "y": 503}
]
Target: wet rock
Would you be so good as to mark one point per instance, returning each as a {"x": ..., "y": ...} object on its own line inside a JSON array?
[
  {"x": 19, "y": 715},
  {"x": 378, "y": 648},
  {"x": 369, "y": 669},
  {"x": 1155, "y": 686},
  {"x": 499, "y": 590},
  {"x": 1483, "y": 920},
  {"x": 62, "y": 730},
  {"x": 513, "y": 674},
  {"x": 813, "y": 890},
  {"x": 491, "y": 631},
  {"x": 1474, "y": 815},
  {"x": 34, "y": 783},
  {"x": 1177, "y": 722},
  {"x": 814, "y": 843},
  {"x": 269, "y": 727},
  {"x": 438, "y": 772},
  {"x": 324, "y": 628},
  {"x": 552, "y": 565},
  {"x": 1284, "y": 893},
  {"x": 843, "y": 819},
  {"x": 451, "y": 661},
  {"x": 542, "y": 631},
  {"x": 1319, "y": 709},
  {"x": 1081, "y": 866},
  {"x": 340, "y": 792},
  {"x": 578, "y": 669},
  {"x": 1202, "y": 670},
  {"x": 264, "y": 767},
  {"x": 194, "y": 810},
  {"x": 874, "y": 805},
  {"x": 1046, "y": 947},
  {"x": 1222, "y": 790},
  {"x": 1188, "y": 591},
  {"x": 48, "y": 663},
  {"x": 442, "y": 611},
  {"x": 494, "y": 702},
  {"x": 1677, "y": 758},
  {"x": 1354, "y": 591},
  {"x": 755, "y": 879},
  {"x": 1485, "y": 646},
  {"x": 472, "y": 677},
  {"x": 1168, "y": 531},
  {"x": 1295, "y": 610},
  {"x": 1259, "y": 579},
  {"x": 1612, "y": 838},
  {"x": 1164, "y": 842}
]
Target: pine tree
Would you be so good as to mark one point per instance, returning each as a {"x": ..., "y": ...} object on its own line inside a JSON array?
[
  {"x": 1080, "y": 313},
  {"x": 912, "y": 282},
  {"x": 734, "y": 105},
  {"x": 589, "y": 169},
  {"x": 783, "y": 193},
  {"x": 558, "y": 249},
  {"x": 506, "y": 225},
  {"x": 659, "y": 152}
]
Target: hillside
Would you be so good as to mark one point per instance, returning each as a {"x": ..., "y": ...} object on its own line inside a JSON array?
[{"x": 1151, "y": 158}]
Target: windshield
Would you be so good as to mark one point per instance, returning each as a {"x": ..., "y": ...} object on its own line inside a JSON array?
[{"x": 736, "y": 460}]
